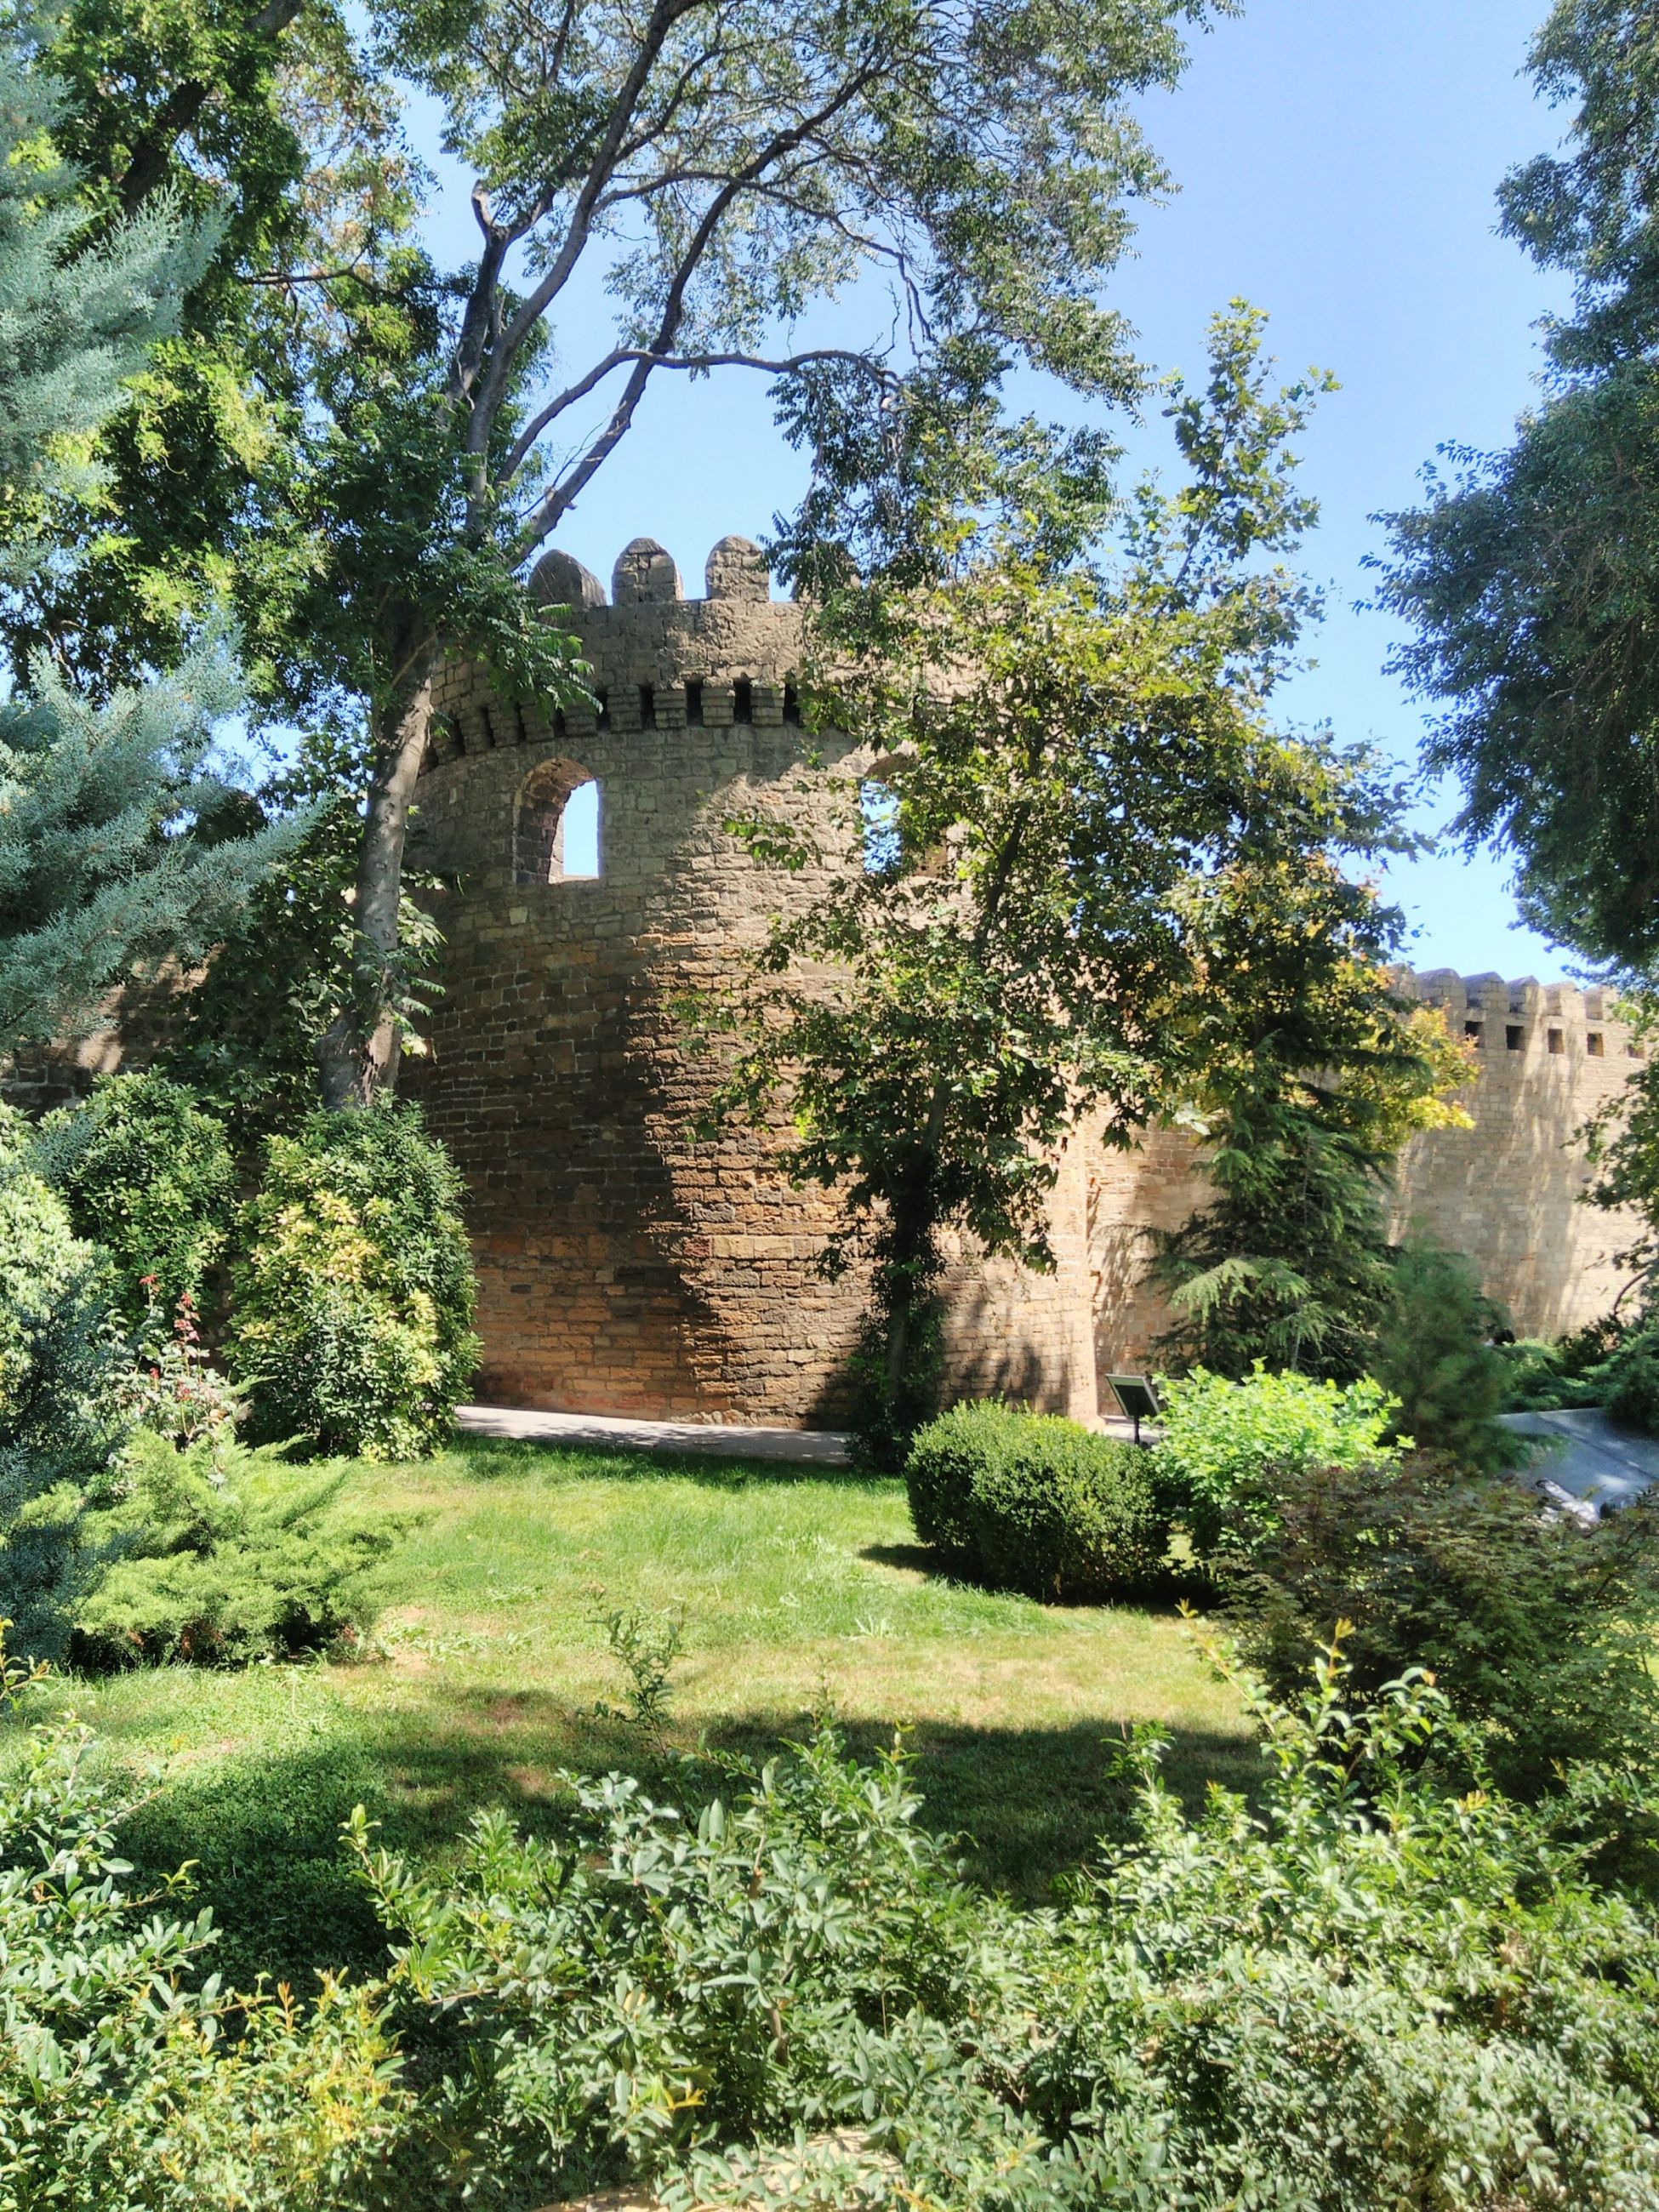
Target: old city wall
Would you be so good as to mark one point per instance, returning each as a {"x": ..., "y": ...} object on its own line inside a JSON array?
[
  {"x": 1505, "y": 1191},
  {"x": 623, "y": 1266}
]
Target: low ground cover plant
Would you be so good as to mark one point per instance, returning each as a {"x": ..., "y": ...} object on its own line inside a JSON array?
[
  {"x": 224, "y": 1559},
  {"x": 1029, "y": 1502}
]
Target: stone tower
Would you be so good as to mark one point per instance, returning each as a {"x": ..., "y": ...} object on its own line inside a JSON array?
[{"x": 623, "y": 1266}]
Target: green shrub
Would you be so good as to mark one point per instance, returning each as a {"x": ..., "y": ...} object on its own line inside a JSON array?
[
  {"x": 353, "y": 1304},
  {"x": 1540, "y": 1629},
  {"x": 1227, "y": 1444},
  {"x": 1027, "y": 1502},
  {"x": 1629, "y": 1382},
  {"x": 120, "y": 2090},
  {"x": 222, "y": 1568},
  {"x": 1435, "y": 1358},
  {"x": 60, "y": 1422},
  {"x": 147, "y": 1174},
  {"x": 1544, "y": 1376},
  {"x": 1366, "y": 1992}
]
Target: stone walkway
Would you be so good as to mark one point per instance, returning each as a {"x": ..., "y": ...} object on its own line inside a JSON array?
[
  {"x": 800, "y": 1446},
  {"x": 797, "y": 1447},
  {"x": 1586, "y": 1462}
]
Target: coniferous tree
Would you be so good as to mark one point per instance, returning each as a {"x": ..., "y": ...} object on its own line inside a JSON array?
[{"x": 122, "y": 841}]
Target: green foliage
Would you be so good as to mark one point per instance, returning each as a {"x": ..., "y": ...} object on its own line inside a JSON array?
[
  {"x": 120, "y": 2090},
  {"x": 1435, "y": 1358},
  {"x": 933, "y": 1029},
  {"x": 149, "y": 1177},
  {"x": 246, "y": 1038},
  {"x": 1370, "y": 1991},
  {"x": 123, "y": 840},
  {"x": 1544, "y": 1375},
  {"x": 353, "y": 1301},
  {"x": 1537, "y": 1627},
  {"x": 224, "y": 1566},
  {"x": 1629, "y": 1381},
  {"x": 77, "y": 316},
  {"x": 1227, "y": 1445},
  {"x": 60, "y": 1419},
  {"x": 1027, "y": 1502},
  {"x": 1528, "y": 575}
]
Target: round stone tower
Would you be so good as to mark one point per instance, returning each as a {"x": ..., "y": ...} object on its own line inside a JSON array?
[{"x": 624, "y": 1267}]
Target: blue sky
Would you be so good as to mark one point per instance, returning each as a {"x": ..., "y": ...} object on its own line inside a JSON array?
[{"x": 1336, "y": 164}]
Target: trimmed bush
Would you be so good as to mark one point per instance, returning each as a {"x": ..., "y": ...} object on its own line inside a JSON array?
[
  {"x": 1227, "y": 1444},
  {"x": 1027, "y": 1502},
  {"x": 353, "y": 1305},
  {"x": 147, "y": 1174}
]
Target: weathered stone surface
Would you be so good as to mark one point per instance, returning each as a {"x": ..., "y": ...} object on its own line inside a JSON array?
[
  {"x": 626, "y": 1269},
  {"x": 623, "y": 1266}
]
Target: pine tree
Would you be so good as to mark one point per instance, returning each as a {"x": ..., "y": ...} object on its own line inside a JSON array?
[{"x": 121, "y": 841}]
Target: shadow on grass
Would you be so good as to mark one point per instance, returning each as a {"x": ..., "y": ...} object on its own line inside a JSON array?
[
  {"x": 489, "y": 1459},
  {"x": 264, "y": 1833}
]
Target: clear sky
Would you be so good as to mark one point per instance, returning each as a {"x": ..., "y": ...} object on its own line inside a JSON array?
[{"x": 1336, "y": 163}]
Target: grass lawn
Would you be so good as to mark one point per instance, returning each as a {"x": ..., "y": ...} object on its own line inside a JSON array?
[{"x": 800, "y": 1593}]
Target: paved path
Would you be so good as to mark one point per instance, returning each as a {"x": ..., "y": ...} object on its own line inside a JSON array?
[
  {"x": 1588, "y": 1458},
  {"x": 800, "y": 1446}
]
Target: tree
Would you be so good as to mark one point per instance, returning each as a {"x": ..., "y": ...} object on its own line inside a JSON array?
[
  {"x": 715, "y": 167},
  {"x": 1531, "y": 575},
  {"x": 1075, "y": 748},
  {"x": 1310, "y": 1074},
  {"x": 122, "y": 841}
]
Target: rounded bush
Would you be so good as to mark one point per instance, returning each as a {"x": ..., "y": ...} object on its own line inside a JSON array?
[
  {"x": 353, "y": 1305},
  {"x": 1029, "y": 1502},
  {"x": 148, "y": 1175}
]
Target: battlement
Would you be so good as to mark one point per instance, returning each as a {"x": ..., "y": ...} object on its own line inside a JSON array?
[{"x": 1496, "y": 1016}]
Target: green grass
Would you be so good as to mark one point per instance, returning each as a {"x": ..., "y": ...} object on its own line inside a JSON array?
[{"x": 801, "y": 1594}]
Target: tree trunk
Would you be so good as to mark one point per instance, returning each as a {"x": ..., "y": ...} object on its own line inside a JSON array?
[{"x": 357, "y": 1054}]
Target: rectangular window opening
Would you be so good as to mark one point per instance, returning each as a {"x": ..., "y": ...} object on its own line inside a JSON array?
[
  {"x": 1558, "y": 1042},
  {"x": 1514, "y": 1038},
  {"x": 694, "y": 704},
  {"x": 647, "y": 706},
  {"x": 1592, "y": 1044},
  {"x": 743, "y": 700},
  {"x": 1474, "y": 1031},
  {"x": 604, "y": 698},
  {"x": 791, "y": 699}
]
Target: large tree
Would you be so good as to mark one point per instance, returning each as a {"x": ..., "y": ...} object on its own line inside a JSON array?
[
  {"x": 121, "y": 840},
  {"x": 1093, "y": 821},
  {"x": 1531, "y": 576},
  {"x": 658, "y": 187}
]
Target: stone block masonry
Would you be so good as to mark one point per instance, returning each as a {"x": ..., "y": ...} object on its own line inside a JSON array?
[{"x": 625, "y": 1267}]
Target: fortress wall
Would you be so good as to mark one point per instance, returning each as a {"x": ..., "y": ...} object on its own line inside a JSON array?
[
  {"x": 624, "y": 1267},
  {"x": 1506, "y": 1191}
]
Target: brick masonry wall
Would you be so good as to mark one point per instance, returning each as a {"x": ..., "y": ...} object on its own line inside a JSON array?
[
  {"x": 624, "y": 1267},
  {"x": 1505, "y": 1192}
]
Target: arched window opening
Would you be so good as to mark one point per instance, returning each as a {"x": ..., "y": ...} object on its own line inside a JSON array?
[
  {"x": 556, "y": 826},
  {"x": 879, "y": 807}
]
